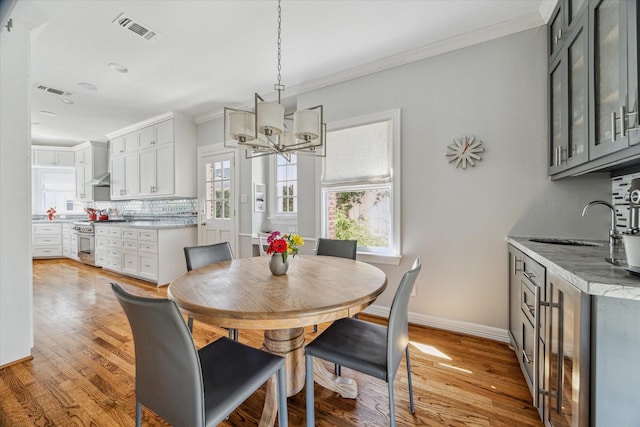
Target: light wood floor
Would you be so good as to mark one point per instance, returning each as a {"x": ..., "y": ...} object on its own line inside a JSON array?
[{"x": 82, "y": 372}]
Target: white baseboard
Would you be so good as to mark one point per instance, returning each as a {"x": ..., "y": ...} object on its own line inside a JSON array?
[{"x": 473, "y": 329}]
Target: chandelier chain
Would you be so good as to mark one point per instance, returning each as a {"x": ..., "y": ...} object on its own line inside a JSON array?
[{"x": 279, "y": 44}]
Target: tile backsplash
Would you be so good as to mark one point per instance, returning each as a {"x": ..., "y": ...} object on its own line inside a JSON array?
[
  {"x": 186, "y": 207},
  {"x": 619, "y": 192}
]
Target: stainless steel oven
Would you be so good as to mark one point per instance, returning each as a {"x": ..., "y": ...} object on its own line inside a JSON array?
[{"x": 86, "y": 242}]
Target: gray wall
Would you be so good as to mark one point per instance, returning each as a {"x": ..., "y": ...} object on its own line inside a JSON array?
[{"x": 457, "y": 219}]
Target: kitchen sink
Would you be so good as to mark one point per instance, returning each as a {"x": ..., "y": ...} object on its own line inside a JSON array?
[{"x": 567, "y": 242}]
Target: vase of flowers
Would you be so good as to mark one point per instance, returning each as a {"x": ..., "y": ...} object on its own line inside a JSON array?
[
  {"x": 52, "y": 213},
  {"x": 280, "y": 247}
]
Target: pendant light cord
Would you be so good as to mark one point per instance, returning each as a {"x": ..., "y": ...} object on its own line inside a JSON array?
[{"x": 279, "y": 87}]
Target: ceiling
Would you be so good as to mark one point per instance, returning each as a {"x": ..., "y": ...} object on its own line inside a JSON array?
[{"x": 214, "y": 53}]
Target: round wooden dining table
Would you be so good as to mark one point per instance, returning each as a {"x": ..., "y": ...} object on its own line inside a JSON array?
[{"x": 243, "y": 294}]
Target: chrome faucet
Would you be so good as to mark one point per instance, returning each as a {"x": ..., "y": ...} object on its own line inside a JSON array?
[{"x": 614, "y": 236}]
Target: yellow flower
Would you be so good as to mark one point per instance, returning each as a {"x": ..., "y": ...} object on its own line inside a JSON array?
[{"x": 297, "y": 240}]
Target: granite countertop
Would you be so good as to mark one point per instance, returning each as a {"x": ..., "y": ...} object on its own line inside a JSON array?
[
  {"x": 156, "y": 224},
  {"x": 146, "y": 223},
  {"x": 583, "y": 266}
]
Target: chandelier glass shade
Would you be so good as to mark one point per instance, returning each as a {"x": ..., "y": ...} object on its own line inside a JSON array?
[{"x": 268, "y": 129}]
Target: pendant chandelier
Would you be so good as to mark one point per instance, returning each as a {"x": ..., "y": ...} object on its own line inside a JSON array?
[{"x": 269, "y": 130}]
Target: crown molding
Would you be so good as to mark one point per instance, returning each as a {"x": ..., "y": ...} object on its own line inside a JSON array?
[
  {"x": 148, "y": 122},
  {"x": 493, "y": 32}
]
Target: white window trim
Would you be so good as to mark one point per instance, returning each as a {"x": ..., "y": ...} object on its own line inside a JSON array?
[{"x": 395, "y": 118}]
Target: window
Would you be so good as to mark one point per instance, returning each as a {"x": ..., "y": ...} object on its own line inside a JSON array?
[
  {"x": 286, "y": 185},
  {"x": 360, "y": 191},
  {"x": 218, "y": 190},
  {"x": 53, "y": 187}
]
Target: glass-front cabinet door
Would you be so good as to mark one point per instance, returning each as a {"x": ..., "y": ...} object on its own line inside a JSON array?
[
  {"x": 608, "y": 63},
  {"x": 568, "y": 91}
]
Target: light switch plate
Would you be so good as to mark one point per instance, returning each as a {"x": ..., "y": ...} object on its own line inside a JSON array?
[{"x": 243, "y": 198}]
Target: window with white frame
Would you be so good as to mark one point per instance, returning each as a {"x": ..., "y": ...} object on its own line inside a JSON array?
[
  {"x": 286, "y": 182},
  {"x": 361, "y": 185},
  {"x": 53, "y": 188}
]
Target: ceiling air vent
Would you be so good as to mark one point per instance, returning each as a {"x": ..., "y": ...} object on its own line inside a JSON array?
[
  {"x": 136, "y": 27},
  {"x": 52, "y": 90}
]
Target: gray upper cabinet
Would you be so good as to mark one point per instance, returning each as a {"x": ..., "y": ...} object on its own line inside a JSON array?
[
  {"x": 603, "y": 109},
  {"x": 568, "y": 96},
  {"x": 609, "y": 67}
]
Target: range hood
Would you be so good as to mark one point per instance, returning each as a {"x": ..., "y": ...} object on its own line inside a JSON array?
[{"x": 101, "y": 181}]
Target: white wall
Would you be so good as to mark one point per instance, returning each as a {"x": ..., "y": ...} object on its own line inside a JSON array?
[
  {"x": 457, "y": 219},
  {"x": 16, "y": 313}
]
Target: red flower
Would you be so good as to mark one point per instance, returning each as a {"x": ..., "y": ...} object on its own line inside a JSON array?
[{"x": 277, "y": 246}]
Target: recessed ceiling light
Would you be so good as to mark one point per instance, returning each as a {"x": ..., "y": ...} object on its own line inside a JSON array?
[
  {"x": 66, "y": 101},
  {"x": 118, "y": 68},
  {"x": 48, "y": 113},
  {"x": 88, "y": 86}
]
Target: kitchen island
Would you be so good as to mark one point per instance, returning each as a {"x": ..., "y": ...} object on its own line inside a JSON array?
[
  {"x": 150, "y": 250},
  {"x": 585, "y": 361}
]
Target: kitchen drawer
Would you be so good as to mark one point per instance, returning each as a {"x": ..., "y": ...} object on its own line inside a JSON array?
[
  {"x": 527, "y": 354},
  {"x": 102, "y": 258},
  {"x": 528, "y": 302},
  {"x": 148, "y": 235},
  {"x": 102, "y": 231},
  {"x": 114, "y": 243},
  {"x": 102, "y": 243},
  {"x": 66, "y": 252},
  {"x": 46, "y": 251},
  {"x": 46, "y": 228},
  {"x": 115, "y": 232},
  {"x": 130, "y": 244},
  {"x": 148, "y": 266},
  {"x": 130, "y": 262},
  {"x": 50, "y": 240},
  {"x": 148, "y": 246},
  {"x": 115, "y": 262},
  {"x": 129, "y": 233}
]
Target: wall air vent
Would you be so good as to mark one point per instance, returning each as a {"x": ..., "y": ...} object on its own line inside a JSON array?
[
  {"x": 136, "y": 27},
  {"x": 52, "y": 90}
]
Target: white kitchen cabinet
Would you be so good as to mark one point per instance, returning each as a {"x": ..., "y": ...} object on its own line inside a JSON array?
[
  {"x": 69, "y": 241},
  {"x": 124, "y": 176},
  {"x": 46, "y": 240},
  {"x": 124, "y": 144},
  {"x": 157, "y": 134},
  {"x": 165, "y": 164},
  {"x": 52, "y": 156},
  {"x": 156, "y": 255},
  {"x": 156, "y": 171},
  {"x": 91, "y": 162}
]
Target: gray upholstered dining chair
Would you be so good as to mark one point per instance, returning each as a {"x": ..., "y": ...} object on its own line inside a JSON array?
[
  {"x": 199, "y": 256},
  {"x": 367, "y": 347},
  {"x": 186, "y": 386},
  {"x": 338, "y": 248}
]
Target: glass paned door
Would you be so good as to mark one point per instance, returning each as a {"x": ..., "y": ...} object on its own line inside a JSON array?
[
  {"x": 218, "y": 190},
  {"x": 217, "y": 199}
]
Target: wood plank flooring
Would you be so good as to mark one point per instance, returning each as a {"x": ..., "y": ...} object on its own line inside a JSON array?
[{"x": 82, "y": 372}]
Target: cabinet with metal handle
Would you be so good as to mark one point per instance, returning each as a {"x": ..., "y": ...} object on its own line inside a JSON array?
[
  {"x": 565, "y": 388},
  {"x": 526, "y": 288}
]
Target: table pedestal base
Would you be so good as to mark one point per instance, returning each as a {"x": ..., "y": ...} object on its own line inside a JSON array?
[
  {"x": 289, "y": 343},
  {"x": 347, "y": 387}
]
